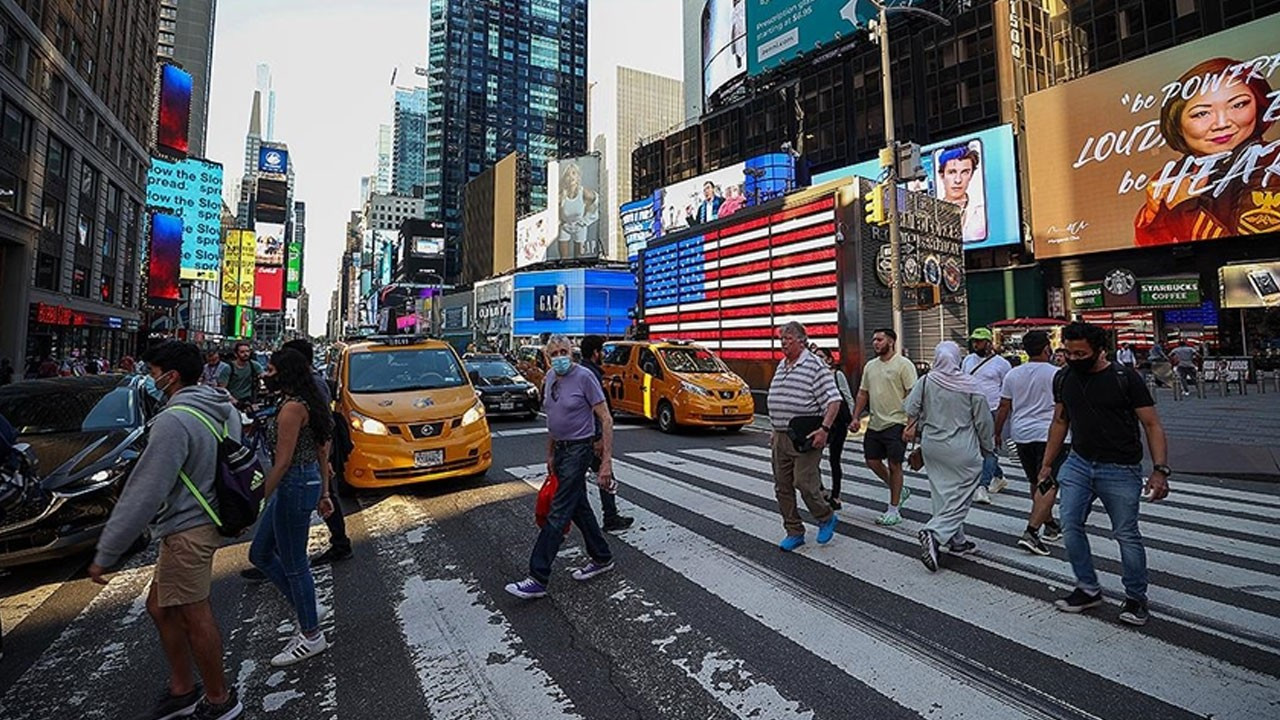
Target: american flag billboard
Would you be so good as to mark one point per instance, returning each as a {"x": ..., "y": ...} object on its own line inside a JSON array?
[{"x": 730, "y": 288}]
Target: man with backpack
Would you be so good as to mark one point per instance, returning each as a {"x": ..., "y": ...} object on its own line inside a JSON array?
[
  {"x": 1102, "y": 404},
  {"x": 988, "y": 370},
  {"x": 240, "y": 376},
  {"x": 182, "y": 453}
]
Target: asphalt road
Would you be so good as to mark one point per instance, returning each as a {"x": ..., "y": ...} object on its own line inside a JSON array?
[{"x": 704, "y": 617}]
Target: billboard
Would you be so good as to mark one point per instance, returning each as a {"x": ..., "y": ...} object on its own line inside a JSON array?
[
  {"x": 293, "y": 269},
  {"x": 173, "y": 110},
  {"x": 1250, "y": 285},
  {"x": 1120, "y": 289},
  {"x": 724, "y": 44},
  {"x": 780, "y": 31},
  {"x": 272, "y": 199},
  {"x": 577, "y": 301},
  {"x": 192, "y": 190},
  {"x": 268, "y": 289},
  {"x": 977, "y": 172},
  {"x": 273, "y": 160},
  {"x": 239, "y": 252},
  {"x": 271, "y": 239},
  {"x": 549, "y": 302},
  {"x": 532, "y": 237},
  {"x": 1177, "y": 147},
  {"x": 164, "y": 258},
  {"x": 573, "y": 197},
  {"x": 707, "y": 198}
]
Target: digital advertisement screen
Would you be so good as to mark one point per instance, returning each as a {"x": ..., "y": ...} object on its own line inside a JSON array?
[
  {"x": 591, "y": 302},
  {"x": 532, "y": 237},
  {"x": 977, "y": 172},
  {"x": 273, "y": 160},
  {"x": 268, "y": 289},
  {"x": 572, "y": 229},
  {"x": 427, "y": 246},
  {"x": 165, "y": 259},
  {"x": 1180, "y": 146},
  {"x": 1250, "y": 285},
  {"x": 272, "y": 201},
  {"x": 239, "y": 254},
  {"x": 637, "y": 224},
  {"x": 724, "y": 44},
  {"x": 173, "y": 124},
  {"x": 781, "y": 31},
  {"x": 271, "y": 241},
  {"x": 192, "y": 190},
  {"x": 293, "y": 269}
]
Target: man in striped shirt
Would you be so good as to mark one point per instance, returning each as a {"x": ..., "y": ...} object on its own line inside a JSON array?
[{"x": 803, "y": 396}]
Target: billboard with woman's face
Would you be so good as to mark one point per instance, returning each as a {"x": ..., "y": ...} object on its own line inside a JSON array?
[{"x": 1181, "y": 146}]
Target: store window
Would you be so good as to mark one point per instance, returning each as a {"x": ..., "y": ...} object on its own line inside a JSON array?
[{"x": 80, "y": 281}]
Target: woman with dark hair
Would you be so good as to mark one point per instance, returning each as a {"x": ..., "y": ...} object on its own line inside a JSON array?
[
  {"x": 839, "y": 429},
  {"x": 297, "y": 483},
  {"x": 1214, "y": 116}
]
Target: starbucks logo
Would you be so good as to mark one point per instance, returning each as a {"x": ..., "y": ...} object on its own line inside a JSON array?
[{"x": 1120, "y": 282}]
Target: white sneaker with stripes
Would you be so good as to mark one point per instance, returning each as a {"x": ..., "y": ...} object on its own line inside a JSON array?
[{"x": 299, "y": 648}]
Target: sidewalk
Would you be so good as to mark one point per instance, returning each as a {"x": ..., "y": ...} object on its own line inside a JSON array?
[{"x": 1234, "y": 436}]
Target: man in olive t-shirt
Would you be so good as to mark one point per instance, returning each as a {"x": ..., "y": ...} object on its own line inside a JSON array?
[
  {"x": 886, "y": 381},
  {"x": 240, "y": 376}
]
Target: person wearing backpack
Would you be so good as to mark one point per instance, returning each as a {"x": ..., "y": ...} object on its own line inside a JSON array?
[
  {"x": 240, "y": 376},
  {"x": 298, "y": 483},
  {"x": 987, "y": 369},
  {"x": 178, "y": 444}
]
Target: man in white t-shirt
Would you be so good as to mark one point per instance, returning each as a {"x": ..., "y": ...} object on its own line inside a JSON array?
[
  {"x": 988, "y": 370},
  {"x": 1027, "y": 403}
]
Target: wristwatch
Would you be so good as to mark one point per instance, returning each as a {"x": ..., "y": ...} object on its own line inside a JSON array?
[
  {"x": 1163, "y": 470},
  {"x": 826, "y": 429}
]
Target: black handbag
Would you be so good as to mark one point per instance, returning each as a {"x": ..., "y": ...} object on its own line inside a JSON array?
[{"x": 799, "y": 429}]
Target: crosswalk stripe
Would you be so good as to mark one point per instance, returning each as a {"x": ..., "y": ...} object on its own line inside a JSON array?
[
  {"x": 467, "y": 658},
  {"x": 1087, "y": 643},
  {"x": 542, "y": 430},
  {"x": 1253, "y": 624}
]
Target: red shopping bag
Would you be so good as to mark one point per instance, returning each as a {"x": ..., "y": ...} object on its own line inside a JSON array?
[{"x": 543, "y": 507}]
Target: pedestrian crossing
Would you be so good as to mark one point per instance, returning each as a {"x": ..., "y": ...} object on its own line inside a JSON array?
[{"x": 704, "y": 617}]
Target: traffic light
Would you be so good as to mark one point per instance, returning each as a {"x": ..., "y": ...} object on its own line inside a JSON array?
[{"x": 873, "y": 203}]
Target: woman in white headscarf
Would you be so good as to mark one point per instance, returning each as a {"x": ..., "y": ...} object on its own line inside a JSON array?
[{"x": 949, "y": 413}]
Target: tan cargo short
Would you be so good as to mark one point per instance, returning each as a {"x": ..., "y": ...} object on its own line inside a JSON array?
[{"x": 185, "y": 567}]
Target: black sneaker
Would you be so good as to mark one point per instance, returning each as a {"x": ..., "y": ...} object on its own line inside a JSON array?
[
  {"x": 617, "y": 523},
  {"x": 1051, "y": 531},
  {"x": 253, "y": 574},
  {"x": 170, "y": 706},
  {"x": 962, "y": 548},
  {"x": 1134, "y": 612},
  {"x": 332, "y": 555},
  {"x": 929, "y": 550},
  {"x": 1031, "y": 542},
  {"x": 1078, "y": 601},
  {"x": 222, "y": 711}
]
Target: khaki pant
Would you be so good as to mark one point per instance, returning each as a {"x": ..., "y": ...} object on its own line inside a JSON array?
[
  {"x": 794, "y": 471},
  {"x": 184, "y": 569}
]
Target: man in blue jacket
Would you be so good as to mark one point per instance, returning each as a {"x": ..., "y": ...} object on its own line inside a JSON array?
[{"x": 179, "y": 598}]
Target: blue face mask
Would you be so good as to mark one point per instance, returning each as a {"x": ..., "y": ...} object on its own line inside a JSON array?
[
  {"x": 149, "y": 384},
  {"x": 561, "y": 364}
]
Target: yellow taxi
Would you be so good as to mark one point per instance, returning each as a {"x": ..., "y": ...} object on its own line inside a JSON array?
[
  {"x": 413, "y": 412},
  {"x": 676, "y": 382}
]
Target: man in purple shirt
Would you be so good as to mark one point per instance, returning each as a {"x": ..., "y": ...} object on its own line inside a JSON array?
[{"x": 573, "y": 400}]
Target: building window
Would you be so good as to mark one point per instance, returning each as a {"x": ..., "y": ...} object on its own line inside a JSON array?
[
  {"x": 84, "y": 230},
  {"x": 12, "y": 192},
  {"x": 108, "y": 289},
  {"x": 80, "y": 281},
  {"x": 1185, "y": 7},
  {"x": 48, "y": 268},
  {"x": 55, "y": 159},
  {"x": 51, "y": 214},
  {"x": 15, "y": 127},
  {"x": 89, "y": 182},
  {"x": 108, "y": 242}
]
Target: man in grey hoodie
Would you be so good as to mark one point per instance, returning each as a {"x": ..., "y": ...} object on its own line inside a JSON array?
[{"x": 179, "y": 598}]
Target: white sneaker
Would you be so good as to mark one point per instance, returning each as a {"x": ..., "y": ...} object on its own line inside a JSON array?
[
  {"x": 298, "y": 649},
  {"x": 981, "y": 496},
  {"x": 998, "y": 483}
]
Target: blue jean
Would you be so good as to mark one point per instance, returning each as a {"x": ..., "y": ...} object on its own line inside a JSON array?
[
  {"x": 1119, "y": 487},
  {"x": 570, "y": 504},
  {"x": 990, "y": 468},
  {"x": 279, "y": 547}
]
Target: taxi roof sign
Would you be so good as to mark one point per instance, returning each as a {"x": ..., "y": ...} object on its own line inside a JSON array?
[{"x": 398, "y": 340}]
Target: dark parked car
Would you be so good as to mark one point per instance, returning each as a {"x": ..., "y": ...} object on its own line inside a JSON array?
[
  {"x": 85, "y": 434},
  {"x": 502, "y": 388}
]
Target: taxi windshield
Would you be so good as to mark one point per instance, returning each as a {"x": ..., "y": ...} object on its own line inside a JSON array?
[
  {"x": 691, "y": 360},
  {"x": 403, "y": 370}
]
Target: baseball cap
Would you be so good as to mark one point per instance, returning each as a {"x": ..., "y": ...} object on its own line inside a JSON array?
[{"x": 981, "y": 334}]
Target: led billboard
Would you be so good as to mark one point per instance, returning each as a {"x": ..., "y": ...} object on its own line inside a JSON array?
[
  {"x": 273, "y": 160},
  {"x": 724, "y": 44},
  {"x": 533, "y": 237},
  {"x": 293, "y": 269},
  {"x": 1180, "y": 146},
  {"x": 780, "y": 31},
  {"x": 192, "y": 190},
  {"x": 173, "y": 110},
  {"x": 239, "y": 253},
  {"x": 272, "y": 199},
  {"x": 270, "y": 243},
  {"x": 164, "y": 258},
  {"x": 268, "y": 289},
  {"x": 1250, "y": 285},
  {"x": 977, "y": 172},
  {"x": 573, "y": 197}
]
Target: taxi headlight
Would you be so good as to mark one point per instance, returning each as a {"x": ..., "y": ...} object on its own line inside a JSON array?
[
  {"x": 474, "y": 414},
  {"x": 691, "y": 388},
  {"x": 367, "y": 425}
]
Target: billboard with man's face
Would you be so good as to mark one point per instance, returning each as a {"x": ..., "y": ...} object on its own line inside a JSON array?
[{"x": 1180, "y": 146}]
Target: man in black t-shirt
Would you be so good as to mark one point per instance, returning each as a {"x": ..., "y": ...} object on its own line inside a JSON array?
[{"x": 1102, "y": 404}]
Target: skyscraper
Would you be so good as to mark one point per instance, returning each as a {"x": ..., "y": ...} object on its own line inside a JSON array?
[
  {"x": 268, "y": 96},
  {"x": 186, "y": 37},
  {"x": 503, "y": 77},
  {"x": 382, "y": 180},
  {"x": 409, "y": 138}
]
